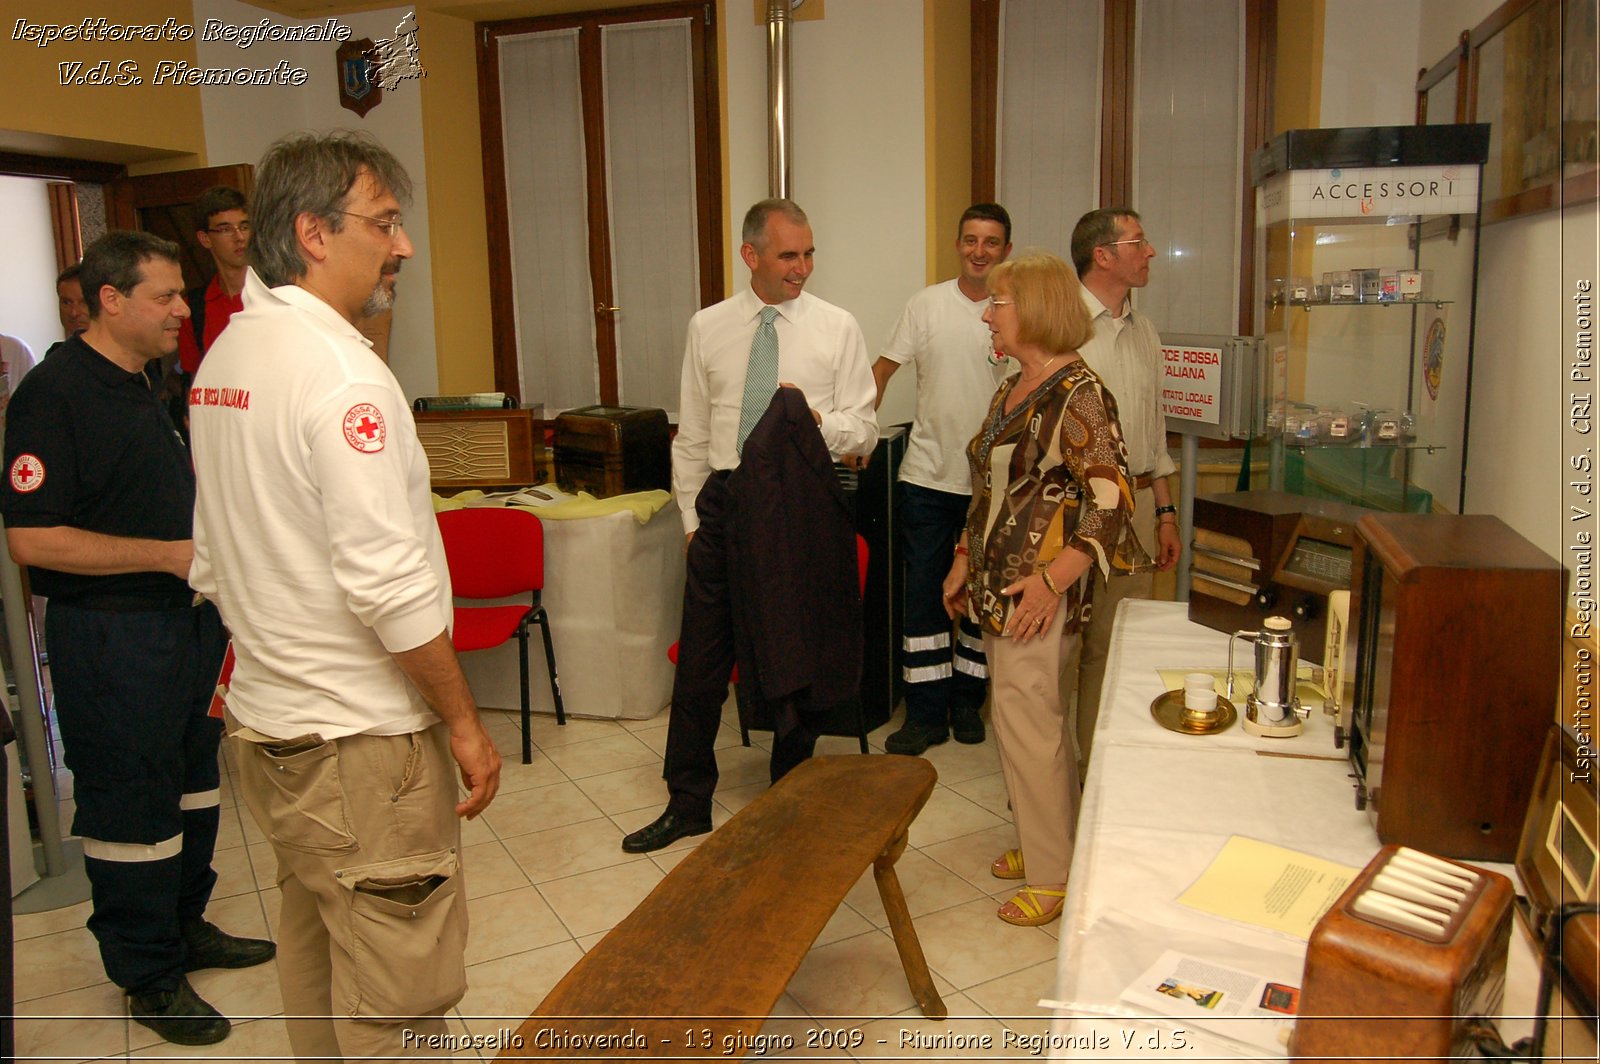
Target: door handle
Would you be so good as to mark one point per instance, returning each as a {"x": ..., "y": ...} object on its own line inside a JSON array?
[{"x": 601, "y": 308}]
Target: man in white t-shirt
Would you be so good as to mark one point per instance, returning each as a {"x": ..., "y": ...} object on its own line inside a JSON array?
[{"x": 941, "y": 332}]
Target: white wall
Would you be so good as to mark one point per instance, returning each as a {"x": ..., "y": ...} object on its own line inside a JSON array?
[
  {"x": 1516, "y": 454},
  {"x": 1369, "y": 63},
  {"x": 858, "y": 157},
  {"x": 28, "y": 267},
  {"x": 241, "y": 122}
]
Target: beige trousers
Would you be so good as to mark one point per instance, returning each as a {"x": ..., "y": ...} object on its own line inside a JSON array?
[
  {"x": 1081, "y": 685},
  {"x": 374, "y": 920},
  {"x": 1030, "y": 728}
]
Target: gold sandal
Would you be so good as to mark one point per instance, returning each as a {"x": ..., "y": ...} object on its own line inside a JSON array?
[
  {"x": 1008, "y": 865},
  {"x": 1033, "y": 914}
]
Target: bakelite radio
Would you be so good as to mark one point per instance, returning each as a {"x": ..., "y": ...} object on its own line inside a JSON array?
[
  {"x": 1409, "y": 962},
  {"x": 1263, "y": 553}
]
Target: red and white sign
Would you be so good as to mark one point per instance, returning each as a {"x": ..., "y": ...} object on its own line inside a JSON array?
[
  {"x": 1191, "y": 383},
  {"x": 364, "y": 429},
  {"x": 27, "y": 473}
]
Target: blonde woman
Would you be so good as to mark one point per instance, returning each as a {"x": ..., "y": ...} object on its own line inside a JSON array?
[{"x": 1051, "y": 498}]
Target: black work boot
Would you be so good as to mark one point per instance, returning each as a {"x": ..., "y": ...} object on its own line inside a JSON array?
[
  {"x": 179, "y": 1015},
  {"x": 206, "y": 946}
]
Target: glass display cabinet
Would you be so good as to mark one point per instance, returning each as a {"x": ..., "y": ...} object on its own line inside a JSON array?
[{"x": 1367, "y": 255}]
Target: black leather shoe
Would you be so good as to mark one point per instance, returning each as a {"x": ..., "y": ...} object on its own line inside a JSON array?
[
  {"x": 180, "y": 1016},
  {"x": 912, "y": 739},
  {"x": 967, "y": 725},
  {"x": 207, "y": 946},
  {"x": 664, "y": 830}
]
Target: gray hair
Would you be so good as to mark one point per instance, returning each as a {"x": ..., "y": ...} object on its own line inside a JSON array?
[
  {"x": 755, "y": 219},
  {"x": 117, "y": 259},
  {"x": 311, "y": 173}
]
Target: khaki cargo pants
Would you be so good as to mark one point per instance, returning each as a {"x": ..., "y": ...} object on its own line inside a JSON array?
[{"x": 374, "y": 918}]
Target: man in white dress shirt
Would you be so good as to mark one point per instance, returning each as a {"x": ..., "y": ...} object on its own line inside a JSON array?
[
  {"x": 819, "y": 350},
  {"x": 1112, "y": 257}
]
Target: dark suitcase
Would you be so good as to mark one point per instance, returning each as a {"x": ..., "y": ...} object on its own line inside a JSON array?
[{"x": 612, "y": 450}]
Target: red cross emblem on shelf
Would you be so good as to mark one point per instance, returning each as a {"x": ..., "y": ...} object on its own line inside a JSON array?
[
  {"x": 27, "y": 473},
  {"x": 364, "y": 429}
]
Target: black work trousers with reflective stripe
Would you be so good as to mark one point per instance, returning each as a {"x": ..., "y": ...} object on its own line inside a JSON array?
[
  {"x": 940, "y": 674},
  {"x": 131, "y": 694}
]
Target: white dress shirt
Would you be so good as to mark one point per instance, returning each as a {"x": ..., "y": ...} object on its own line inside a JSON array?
[
  {"x": 820, "y": 350},
  {"x": 1126, "y": 354}
]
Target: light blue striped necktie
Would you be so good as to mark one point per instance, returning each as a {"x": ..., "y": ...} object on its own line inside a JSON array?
[{"x": 760, "y": 377}]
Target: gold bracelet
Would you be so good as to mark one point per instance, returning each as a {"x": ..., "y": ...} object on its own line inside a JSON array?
[{"x": 1050, "y": 583}]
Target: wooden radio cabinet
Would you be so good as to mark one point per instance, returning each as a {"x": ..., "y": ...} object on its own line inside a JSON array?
[
  {"x": 482, "y": 448},
  {"x": 1457, "y": 621}
]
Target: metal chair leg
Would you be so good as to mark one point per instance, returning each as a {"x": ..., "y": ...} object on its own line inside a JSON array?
[
  {"x": 543, "y": 620},
  {"x": 527, "y": 713}
]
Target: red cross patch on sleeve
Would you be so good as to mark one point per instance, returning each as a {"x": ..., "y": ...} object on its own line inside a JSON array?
[
  {"x": 363, "y": 429},
  {"x": 27, "y": 473}
]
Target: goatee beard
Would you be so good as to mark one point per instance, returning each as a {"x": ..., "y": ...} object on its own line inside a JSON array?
[{"x": 382, "y": 297}]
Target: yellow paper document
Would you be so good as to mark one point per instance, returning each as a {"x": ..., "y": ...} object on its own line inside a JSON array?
[{"x": 1268, "y": 886}]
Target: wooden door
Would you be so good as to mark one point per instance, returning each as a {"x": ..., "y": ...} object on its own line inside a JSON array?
[{"x": 160, "y": 204}]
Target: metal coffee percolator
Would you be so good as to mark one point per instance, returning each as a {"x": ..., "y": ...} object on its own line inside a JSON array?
[{"x": 1272, "y": 708}]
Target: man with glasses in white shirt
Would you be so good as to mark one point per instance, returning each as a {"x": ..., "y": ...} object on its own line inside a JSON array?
[
  {"x": 315, "y": 536},
  {"x": 1112, "y": 257}
]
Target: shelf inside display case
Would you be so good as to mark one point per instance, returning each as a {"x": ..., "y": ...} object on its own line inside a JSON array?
[
  {"x": 1369, "y": 408},
  {"x": 1309, "y": 304}
]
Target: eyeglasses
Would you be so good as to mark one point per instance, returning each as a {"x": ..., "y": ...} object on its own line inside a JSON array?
[
  {"x": 229, "y": 229},
  {"x": 993, "y": 302},
  {"x": 388, "y": 225},
  {"x": 1144, "y": 245}
]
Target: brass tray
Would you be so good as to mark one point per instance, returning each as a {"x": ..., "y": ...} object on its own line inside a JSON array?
[{"x": 1169, "y": 713}]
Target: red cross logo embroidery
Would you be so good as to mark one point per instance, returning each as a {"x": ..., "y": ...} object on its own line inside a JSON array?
[
  {"x": 27, "y": 474},
  {"x": 364, "y": 429}
]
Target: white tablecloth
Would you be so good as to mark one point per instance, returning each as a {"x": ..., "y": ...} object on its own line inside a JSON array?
[
  {"x": 1157, "y": 808},
  {"x": 614, "y": 593}
]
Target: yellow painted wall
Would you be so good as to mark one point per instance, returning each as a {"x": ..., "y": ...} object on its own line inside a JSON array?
[
  {"x": 1297, "y": 86},
  {"x": 150, "y": 127},
  {"x": 947, "y": 100}
]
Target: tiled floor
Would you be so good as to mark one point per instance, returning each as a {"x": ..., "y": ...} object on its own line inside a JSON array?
[{"x": 547, "y": 879}]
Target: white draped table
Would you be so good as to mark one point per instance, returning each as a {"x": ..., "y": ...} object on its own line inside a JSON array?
[{"x": 1157, "y": 807}]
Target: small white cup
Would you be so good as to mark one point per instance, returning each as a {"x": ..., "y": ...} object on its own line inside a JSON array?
[
  {"x": 1199, "y": 681},
  {"x": 1200, "y": 701}
]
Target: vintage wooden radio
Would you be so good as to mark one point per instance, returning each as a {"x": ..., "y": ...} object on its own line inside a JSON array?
[
  {"x": 481, "y": 448},
  {"x": 1403, "y": 963},
  {"x": 613, "y": 450},
  {"x": 1558, "y": 862},
  {"x": 1457, "y": 622},
  {"x": 1262, "y": 553}
]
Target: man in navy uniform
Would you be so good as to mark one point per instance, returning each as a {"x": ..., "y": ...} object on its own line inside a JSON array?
[{"x": 99, "y": 504}]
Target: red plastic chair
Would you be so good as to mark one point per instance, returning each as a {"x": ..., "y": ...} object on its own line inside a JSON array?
[
  {"x": 498, "y": 552},
  {"x": 733, "y": 678}
]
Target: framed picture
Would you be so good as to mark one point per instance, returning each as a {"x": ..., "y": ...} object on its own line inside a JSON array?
[{"x": 1532, "y": 77}]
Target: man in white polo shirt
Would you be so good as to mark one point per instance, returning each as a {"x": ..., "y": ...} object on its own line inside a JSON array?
[{"x": 315, "y": 536}]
